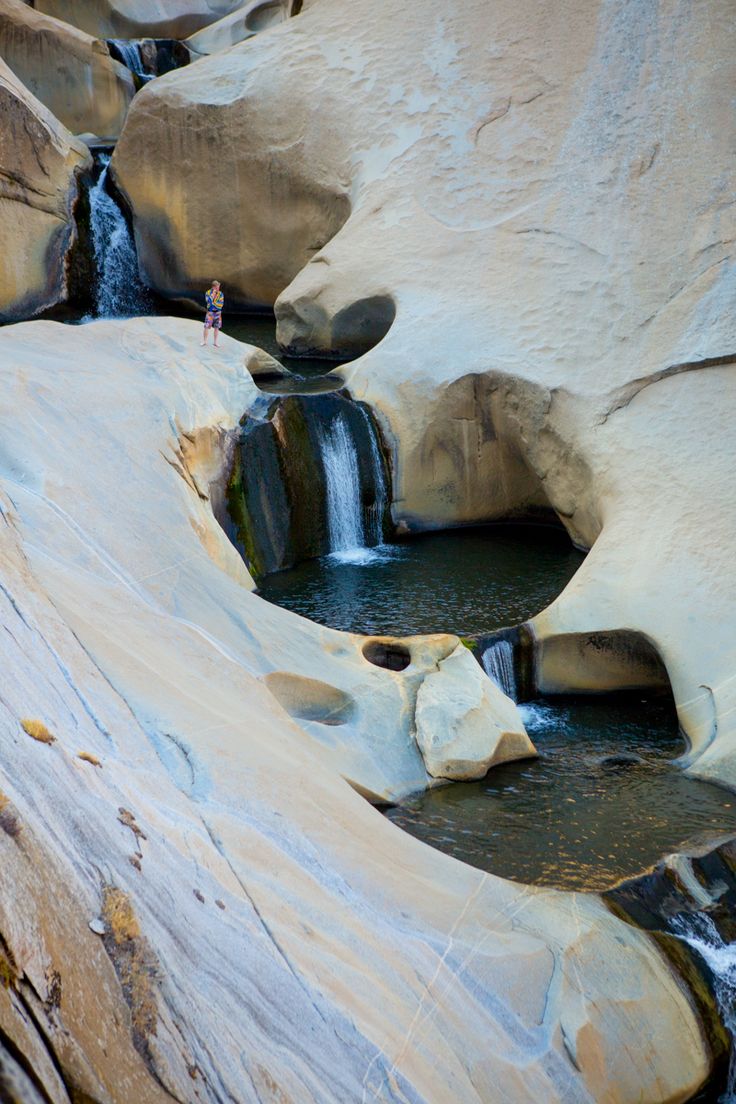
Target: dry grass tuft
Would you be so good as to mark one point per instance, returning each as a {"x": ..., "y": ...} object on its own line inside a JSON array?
[
  {"x": 9, "y": 972},
  {"x": 9, "y": 821},
  {"x": 134, "y": 962},
  {"x": 38, "y": 730},
  {"x": 118, "y": 915},
  {"x": 88, "y": 757}
]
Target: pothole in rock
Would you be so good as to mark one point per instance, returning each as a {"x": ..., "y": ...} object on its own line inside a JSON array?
[{"x": 606, "y": 798}]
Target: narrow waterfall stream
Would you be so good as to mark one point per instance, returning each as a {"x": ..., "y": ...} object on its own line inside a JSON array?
[
  {"x": 119, "y": 291},
  {"x": 309, "y": 481},
  {"x": 498, "y": 664},
  {"x": 347, "y": 537},
  {"x": 128, "y": 51},
  {"x": 699, "y": 931}
]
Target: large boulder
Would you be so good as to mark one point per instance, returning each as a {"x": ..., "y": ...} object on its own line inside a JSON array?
[
  {"x": 465, "y": 723},
  {"x": 69, "y": 71},
  {"x": 138, "y": 18},
  {"x": 255, "y": 203},
  {"x": 39, "y": 165},
  {"x": 202, "y": 907}
]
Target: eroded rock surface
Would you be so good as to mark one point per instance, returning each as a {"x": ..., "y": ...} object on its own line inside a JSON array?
[
  {"x": 69, "y": 71},
  {"x": 248, "y": 20},
  {"x": 202, "y": 905},
  {"x": 39, "y": 164}
]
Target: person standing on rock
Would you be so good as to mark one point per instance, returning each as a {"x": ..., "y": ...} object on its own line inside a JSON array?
[{"x": 215, "y": 301}]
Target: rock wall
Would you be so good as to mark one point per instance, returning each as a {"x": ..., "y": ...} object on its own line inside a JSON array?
[
  {"x": 39, "y": 165},
  {"x": 202, "y": 906},
  {"x": 69, "y": 71}
]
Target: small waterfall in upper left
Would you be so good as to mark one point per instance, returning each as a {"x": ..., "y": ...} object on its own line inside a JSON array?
[
  {"x": 118, "y": 291},
  {"x": 129, "y": 53}
]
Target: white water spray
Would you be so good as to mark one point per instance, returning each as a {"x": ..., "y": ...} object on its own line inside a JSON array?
[
  {"x": 119, "y": 292},
  {"x": 130, "y": 53},
  {"x": 699, "y": 932},
  {"x": 498, "y": 664},
  {"x": 342, "y": 488},
  {"x": 377, "y": 511}
]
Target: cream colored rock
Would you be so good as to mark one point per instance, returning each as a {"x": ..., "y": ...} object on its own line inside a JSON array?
[
  {"x": 565, "y": 303},
  {"x": 266, "y": 933},
  {"x": 465, "y": 723},
  {"x": 184, "y": 230},
  {"x": 138, "y": 18},
  {"x": 249, "y": 19},
  {"x": 261, "y": 365},
  {"x": 68, "y": 71},
  {"x": 39, "y": 163}
]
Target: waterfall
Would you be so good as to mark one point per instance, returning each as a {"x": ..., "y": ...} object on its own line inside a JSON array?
[
  {"x": 698, "y": 930},
  {"x": 119, "y": 292},
  {"x": 342, "y": 489},
  {"x": 129, "y": 53},
  {"x": 498, "y": 664},
  {"x": 377, "y": 512}
]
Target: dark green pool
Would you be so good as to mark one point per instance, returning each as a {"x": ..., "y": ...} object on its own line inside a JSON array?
[
  {"x": 603, "y": 801},
  {"x": 465, "y": 581}
]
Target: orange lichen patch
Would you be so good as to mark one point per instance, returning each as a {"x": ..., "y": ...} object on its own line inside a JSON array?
[
  {"x": 9, "y": 821},
  {"x": 134, "y": 962},
  {"x": 88, "y": 757},
  {"x": 38, "y": 730}
]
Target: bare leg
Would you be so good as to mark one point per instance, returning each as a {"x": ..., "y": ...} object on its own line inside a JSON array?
[
  {"x": 217, "y": 334},
  {"x": 204, "y": 336}
]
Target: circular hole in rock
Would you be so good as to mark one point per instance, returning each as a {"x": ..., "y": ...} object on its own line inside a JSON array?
[
  {"x": 309, "y": 699},
  {"x": 388, "y": 654}
]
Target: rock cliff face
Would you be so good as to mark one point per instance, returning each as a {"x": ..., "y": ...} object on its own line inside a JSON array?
[
  {"x": 69, "y": 71},
  {"x": 544, "y": 196},
  {"x": 39, "y": 164},
  {"x": 230, "y": 919}
]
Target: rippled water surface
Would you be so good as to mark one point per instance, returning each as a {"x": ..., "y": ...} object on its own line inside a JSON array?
[
  {"x": 602, "y": 802},
  {"x": 464, "y": 581}
]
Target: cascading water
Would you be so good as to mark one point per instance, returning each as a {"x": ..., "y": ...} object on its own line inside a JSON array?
[
  {"x": 498, "y": 664},
  {"x": 129, "y": 53},
  {"x": 377, "y": 512},
  {"x": 119, "y": 292},
  {"x": 342, "y": 489},
  {"x": 699, "y": 932}
]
